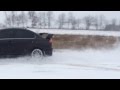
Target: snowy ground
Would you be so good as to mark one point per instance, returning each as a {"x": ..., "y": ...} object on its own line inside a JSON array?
[
  {"x": 77, "y": 32},
  {"x": 65, "y": 64}
]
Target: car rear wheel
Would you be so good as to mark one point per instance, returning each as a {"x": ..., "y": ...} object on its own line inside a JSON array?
[{"x": 37, "y": 53}]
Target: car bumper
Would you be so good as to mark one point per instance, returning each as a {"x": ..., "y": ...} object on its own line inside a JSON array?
[{"x": 49, "y": 52}]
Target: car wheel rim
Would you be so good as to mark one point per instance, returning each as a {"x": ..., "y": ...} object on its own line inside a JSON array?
[{"x": 37, "y": 53}]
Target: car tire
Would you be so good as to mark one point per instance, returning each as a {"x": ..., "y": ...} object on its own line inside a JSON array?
[{"x": 37, "y": 53}]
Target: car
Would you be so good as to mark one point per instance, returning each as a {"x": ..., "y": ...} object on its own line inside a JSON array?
[{"x": 22, "y": 42}]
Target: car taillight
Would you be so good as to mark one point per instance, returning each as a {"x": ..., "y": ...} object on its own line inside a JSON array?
[{"x": 50, "y": 41}]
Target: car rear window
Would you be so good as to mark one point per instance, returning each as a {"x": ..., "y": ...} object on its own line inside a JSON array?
[{"x": 24, "y": 34}]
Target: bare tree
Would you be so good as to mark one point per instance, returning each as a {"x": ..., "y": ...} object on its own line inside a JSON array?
[
  {"x": 8, "y": 22},
  {"x": 23, "y": 18},
  {"x": 33, "y": 18},
  {"x": 10, "y": 18},
  {"x": 6, "y": 15},
  {"x": 96, "y": 23},
  {"x": 74, "y": 23},
  {"x": 35, "y": 21},
  {"x": 50, "y": 18},
  {"x": 18, "y": 20},
  {"x": 31, "y": 14},
  {"x": 70, "y": 19},
  {"x": 78, "y": 22},
  {"x": 61, "y": 20},
  {"x": 44, "y": 20},
  {"x": 102, "y": 22},
  {"x": 88, "y": 20},
  {"x": 13, "y": 17},
  {"x": 40, "y": 19},
  {"x": 114, "y": 22}
]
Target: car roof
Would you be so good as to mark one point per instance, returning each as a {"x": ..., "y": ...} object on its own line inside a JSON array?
[{"x": 16, "y": 29}]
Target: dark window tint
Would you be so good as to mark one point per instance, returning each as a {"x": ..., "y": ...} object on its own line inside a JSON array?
[
  {"x": 6, "y": 34},
  {"x": 24, "y": 34}
]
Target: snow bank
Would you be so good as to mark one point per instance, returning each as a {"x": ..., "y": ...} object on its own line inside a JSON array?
[{"x": 77, "y": 32}]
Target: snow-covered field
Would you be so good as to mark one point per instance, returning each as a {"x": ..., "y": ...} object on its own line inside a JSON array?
[
  {"x": 77, "y": 32},
  {"x": 65, "y": 64}
]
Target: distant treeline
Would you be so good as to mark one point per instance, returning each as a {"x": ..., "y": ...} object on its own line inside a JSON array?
[{"x": 47, "y": 19}]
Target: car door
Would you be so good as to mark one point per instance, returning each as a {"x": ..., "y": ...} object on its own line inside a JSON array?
[
  {"x": 5, "y": 42},
  {"x": 22, "y": 42}
]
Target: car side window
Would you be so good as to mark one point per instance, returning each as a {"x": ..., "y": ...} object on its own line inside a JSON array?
[
  {"x": 24, "y": 34},
  {"x": 6, "y": 34}
]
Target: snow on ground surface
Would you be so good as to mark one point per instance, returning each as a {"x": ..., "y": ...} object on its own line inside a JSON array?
[
  {"x": 65, "y": 64},
  {"x": 77, "y": 32}
]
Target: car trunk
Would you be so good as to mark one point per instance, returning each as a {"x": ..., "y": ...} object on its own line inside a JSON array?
[{"x": 47, "y": 36}]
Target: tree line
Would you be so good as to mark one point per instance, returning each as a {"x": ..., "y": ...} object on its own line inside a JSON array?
[{"x": 47, "y": 19}]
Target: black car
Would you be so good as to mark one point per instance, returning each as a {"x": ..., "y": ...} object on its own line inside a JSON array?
[{"x": 17, "y": 41}]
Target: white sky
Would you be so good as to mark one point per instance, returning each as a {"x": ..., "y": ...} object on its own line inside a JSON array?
[{"x": 107, "y": 14}]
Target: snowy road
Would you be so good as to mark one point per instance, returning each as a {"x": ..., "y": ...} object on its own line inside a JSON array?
[{"x": 65, "y": 64}]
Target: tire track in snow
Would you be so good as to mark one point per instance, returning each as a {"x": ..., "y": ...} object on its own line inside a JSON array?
[{"x": 90, "y": 66}]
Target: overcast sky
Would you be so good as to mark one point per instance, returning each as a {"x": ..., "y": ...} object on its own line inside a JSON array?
[{"x": 107, "y": 14}]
